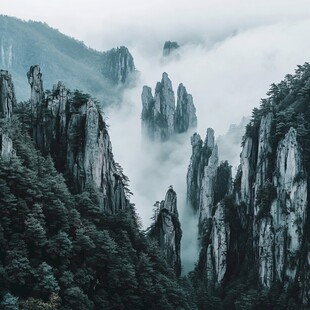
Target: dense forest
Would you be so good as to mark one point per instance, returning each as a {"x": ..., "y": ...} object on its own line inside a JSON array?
[
  {"x": 58, "y": 251},
  {"x": 61, "y": 250}
]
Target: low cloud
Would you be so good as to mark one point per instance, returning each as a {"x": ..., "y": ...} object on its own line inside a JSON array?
[
  {"x": 227, "y": 80},
  {"x": 231, "y": 51}
]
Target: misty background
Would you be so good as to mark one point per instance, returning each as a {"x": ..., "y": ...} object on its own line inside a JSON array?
[{"x": 231, "y": 51}]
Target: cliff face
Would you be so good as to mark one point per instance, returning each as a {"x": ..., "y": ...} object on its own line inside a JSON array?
[
  {"x": 170, "y": 47},
  {"x": 7, "y": 94},
  {"x": 6, "y": 146},
  {"x": 104, "y": 74},
  {"x": 160, "y": 118},
  {"x": 71, "y": 129},
  {"x": 185, "y": 113},
  {"x": 118, "y": 65},
  {"x": 261, "y": 222},
  {"x": 288, "y": 212},
  {"x": 167, "y": 230},
  {"x": 275, "y": 197},
  {"x": 208, "y": 183},
  {"x": 7, "y": 103}
]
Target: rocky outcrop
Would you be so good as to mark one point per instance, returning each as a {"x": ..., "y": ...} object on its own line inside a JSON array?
[
  {"x": 274, "y": 193},
  {"x": 71, "y": 128},
  {"x": 280, "y": 229},
  {"x": 207, "y": 185},
  {"x": 6, "y": 146},
  {"x": 7, "y": 103},
  {"x": 289, "y": 209},
  {"x": 118, "y": 65},
  {"x": 36, "y": 83},
  {"x": 160, "y": 118},
  {"x": 185, "y": 113},
  {"x": 220, "y": 238},
  {"x": 167, "y": 230},
  {"x": 169, "y": 48},
  {"x": 7, "y": 94},
  {"x": 201, "y": 172}
]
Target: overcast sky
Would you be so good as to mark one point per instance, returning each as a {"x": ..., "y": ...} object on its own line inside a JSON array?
[
  {"x": 231, "y": 51},
  {"x": 102, "y": 23}
]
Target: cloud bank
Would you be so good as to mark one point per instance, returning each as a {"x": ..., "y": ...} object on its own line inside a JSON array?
[{"x": 231, "y": 51}]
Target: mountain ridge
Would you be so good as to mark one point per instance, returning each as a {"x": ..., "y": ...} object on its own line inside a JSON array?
[{"x": 24, "y": 43}]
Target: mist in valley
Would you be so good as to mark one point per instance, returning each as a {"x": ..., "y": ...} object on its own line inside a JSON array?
[{"x": 230, "y": 52}]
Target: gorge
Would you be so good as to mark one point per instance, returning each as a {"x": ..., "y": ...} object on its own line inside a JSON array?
[{"x": 70, "y": 234}]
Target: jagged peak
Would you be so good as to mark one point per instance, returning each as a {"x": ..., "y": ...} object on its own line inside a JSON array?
[
  {"x": 170, "y": 47},
  {"x": 209, "y": 141},
  {"x": 196, "y": 139},
  {"x": 162, "y": 117},
  {"x": 118, "y": 65}
]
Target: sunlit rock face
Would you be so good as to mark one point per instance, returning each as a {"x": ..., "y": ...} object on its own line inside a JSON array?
[
  {"x": 161, "y": 118},
  {"x": 118, "y": 65},
  {"x": 73, "y": 131},
  {"x": 167, "y": 230}
]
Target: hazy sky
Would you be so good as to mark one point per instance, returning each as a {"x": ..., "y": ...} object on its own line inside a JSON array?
[
  {"x": 102, "y": 23},
  {"x": 231, "y": 51}
]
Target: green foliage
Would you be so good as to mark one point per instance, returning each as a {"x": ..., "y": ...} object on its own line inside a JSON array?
[
  {"x": 68, "y": 59},
  {"x": 59, "y": 251},
  {"x": 222, "y": 181},
  {"x": 264, "y": 197},
  {"x": 288, "y": 103},
  {"x": 9, "y": 302},
  {"x": 79, "y": 98}
]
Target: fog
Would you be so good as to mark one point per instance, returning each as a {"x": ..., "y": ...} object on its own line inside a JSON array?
[
  {"x": 227, "y": 80},
  {"x": 231, "y": 51}
]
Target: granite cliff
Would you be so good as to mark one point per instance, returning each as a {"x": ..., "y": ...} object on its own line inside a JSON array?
[
  {"x": 208, "y": 182},
  {"x": 71, "y": 128},
  {"x": 7, "y": 104},
  {"x": 257, "y": 225},
  {"x": 161, "y": 118},
  {"x": 118, "y": 65},
  {"x": 166, "y": 230}
]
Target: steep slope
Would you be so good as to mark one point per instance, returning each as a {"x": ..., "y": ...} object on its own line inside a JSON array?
[
  {"x": 71, "y": 128},
  {"x": 207, "y": 185},
  {"x": 7, "y": 104},
  {"x": 169, "y": 48},
  {"x": 161, "y": 119},
  {"x": 58, "y": 250},
  {"x": 62, "y": 58},
  {"x": 166, "y": 230},
  {"x": 265, "y": 220}
]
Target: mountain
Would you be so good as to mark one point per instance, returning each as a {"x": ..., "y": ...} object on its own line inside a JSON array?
[
  {"x": 170, "y": 47},
  {"x": 255, "y": 235},
  {"x": 161, "y": 118},
  {"x": 69, "y": 236},
  {"x": 62, "y": 58},
  {"x": 72, "y": 130},
  {"x": 7, "y": 104},
  {"x": 166, "y": 230}
]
